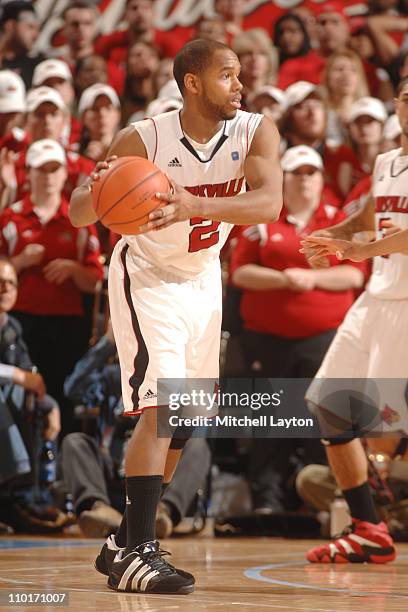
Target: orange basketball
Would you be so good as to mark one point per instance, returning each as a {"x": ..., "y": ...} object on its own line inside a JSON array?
[{"x": 125, "y": 194}]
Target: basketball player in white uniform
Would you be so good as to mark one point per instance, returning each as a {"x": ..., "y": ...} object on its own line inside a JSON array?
[
  {"x": 371, "y": 345},
  {"x": 165, "y": 286}
]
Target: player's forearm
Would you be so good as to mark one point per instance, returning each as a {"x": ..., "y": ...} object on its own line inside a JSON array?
[
  {"x": 339, "y": 278},
  {"x": 85, "y": 278},
  {"x": 81, "y": 210},
  {"x": 361, "y": 221},
  {"x": 396, "y": 243},
  {"x": 255, "y": 277},
  {"x": 258, "y": 206}
]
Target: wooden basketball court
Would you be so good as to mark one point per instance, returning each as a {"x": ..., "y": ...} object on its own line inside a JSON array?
[{"x": 232, "y": 574}]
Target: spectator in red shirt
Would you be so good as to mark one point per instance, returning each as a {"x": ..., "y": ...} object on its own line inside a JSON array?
[
  {"x": 292, "y": 40},
  {"x": 258, "y": 58},
  {"x": 56, "y": 74},
  {"x": 305, "y": 122},
  {"x": 366, "y": 123},
  {"x": 290, "y": 312},
  {"x": 99, "y": 110},
  {"x": 46, "y": 118},
  {"x": 139, "y": 17},
  {"x": 55, "y": 262},
  {"x": 80, "y": 29}
]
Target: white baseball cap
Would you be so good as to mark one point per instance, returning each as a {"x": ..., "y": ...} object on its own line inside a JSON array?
[
  {"x": 42, "y": 94},
  {"x": 268, "y": 90},
  {"x": 170, "y": 90},
  {"x": 12, "y": 93},
  {"x": 301, "y": 155},
  {"x": 43, "y": 151},
  {"x": 90, "y": 94},
  {"x": 392, "y": 128},
  {"x": 372, "y": 107},
  {"x": 51, "y": 68},
  {"x": 163, "y": 105},
  {"x": 299, "y": 91}
]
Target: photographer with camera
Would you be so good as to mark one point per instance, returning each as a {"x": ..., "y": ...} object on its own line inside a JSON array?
[{"x": 29, "y": 425}]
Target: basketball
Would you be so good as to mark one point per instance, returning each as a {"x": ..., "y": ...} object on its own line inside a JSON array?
[{"x": 125, "y": 194}]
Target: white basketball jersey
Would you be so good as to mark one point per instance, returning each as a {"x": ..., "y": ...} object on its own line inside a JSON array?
[
  {"x": 389, "y": 279},
  {"x": 216, "y": 169}
]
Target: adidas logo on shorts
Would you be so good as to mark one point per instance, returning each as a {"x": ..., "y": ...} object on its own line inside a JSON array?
[
  {"x": 149, "y": 394},
  {"x": 174, "y": 163}
]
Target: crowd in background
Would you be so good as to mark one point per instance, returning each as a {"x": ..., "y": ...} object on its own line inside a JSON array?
[{"x": 328, "y": 80}]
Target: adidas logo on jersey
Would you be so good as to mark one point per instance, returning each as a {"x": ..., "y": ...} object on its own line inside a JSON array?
[
  {"x": 149, "y": 394},
  {"x": 174, "y": 163}
]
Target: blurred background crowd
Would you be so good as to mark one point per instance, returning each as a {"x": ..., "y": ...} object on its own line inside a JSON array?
[{"x": 71, "y": 75}]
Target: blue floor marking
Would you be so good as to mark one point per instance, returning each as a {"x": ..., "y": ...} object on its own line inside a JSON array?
[{"x": 254, "y": 573}]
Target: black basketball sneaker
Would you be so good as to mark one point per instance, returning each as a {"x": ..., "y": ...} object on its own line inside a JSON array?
[
  {"x": 107, "y": 554},
  {"x": 145, "y": 571}
]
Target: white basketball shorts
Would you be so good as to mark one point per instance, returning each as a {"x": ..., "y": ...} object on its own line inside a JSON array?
[
  {"x": 165, "y": 327},
  {"x": 371, "y": 345}
]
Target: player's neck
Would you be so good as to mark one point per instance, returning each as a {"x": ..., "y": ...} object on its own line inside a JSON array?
[{"x": 201, "y": 131}]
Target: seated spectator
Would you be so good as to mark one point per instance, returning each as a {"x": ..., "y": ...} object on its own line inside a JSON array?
[
  {"x": 95, "y": 477},
  {"x": 258, "y": 60},
  {"x": 269, "y": 101},
  {"x": 139, "y": 18},
  {"x": 99, "y": 110},
  {"x": 345, "y": 82},
  {"x": 28, "y": 417},
  {"x": 19, "y": 27},
  {"x": 55, "y": 263},
  {"x": 143, "y": 61},
  {"x": 386, "y": 27},
  {"x": 290, "y": 311},
  {"x": 57, "y": 75},
  {"x": 80, "y": 29}
]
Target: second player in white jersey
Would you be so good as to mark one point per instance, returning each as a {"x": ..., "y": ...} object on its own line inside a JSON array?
[
  {"x": 215, "y": 169},
  {"x": 389, "y": 279}
]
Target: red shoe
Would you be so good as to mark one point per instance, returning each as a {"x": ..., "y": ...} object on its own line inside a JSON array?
[{"x": 360, "y": 543}]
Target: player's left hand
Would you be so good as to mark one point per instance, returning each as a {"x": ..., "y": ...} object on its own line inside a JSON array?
[
  {"x": 179, "y": 205},
  {"x": 59, "y": 270}
]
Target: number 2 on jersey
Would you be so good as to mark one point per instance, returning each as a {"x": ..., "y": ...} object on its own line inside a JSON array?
[{"x": 203, "y": 236}]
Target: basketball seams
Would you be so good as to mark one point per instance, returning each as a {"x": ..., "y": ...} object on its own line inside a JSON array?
[
  {"x": 114, "y": 170},
  {"x": 149, "y": 176}
]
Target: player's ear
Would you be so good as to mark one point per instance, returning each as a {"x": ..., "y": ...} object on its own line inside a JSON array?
[{"x": 192, "y": 83}]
